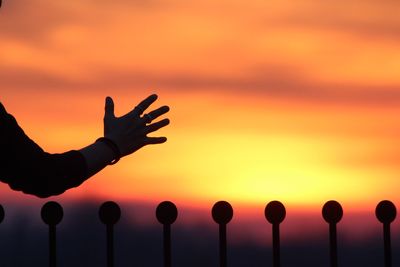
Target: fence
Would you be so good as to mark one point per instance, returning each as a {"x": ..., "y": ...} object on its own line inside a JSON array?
[{"x": 222, "y": 213}]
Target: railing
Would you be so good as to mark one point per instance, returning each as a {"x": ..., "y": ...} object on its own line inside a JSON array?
[{"x": 222, "y": 213}]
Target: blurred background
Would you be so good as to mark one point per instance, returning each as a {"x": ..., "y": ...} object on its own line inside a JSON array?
[{"x": 296, "y": 101}]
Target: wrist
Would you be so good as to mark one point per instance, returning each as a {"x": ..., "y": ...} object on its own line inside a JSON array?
[{"x": 113, "y": 147}]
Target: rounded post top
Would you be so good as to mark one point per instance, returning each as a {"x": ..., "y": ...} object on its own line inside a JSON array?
[
  {"x": 166, "y": 212},
  {"x": 222, "y": 212},
  {"x": 385, "y": 211},
  {"x": 52, "y": 213},
  {"x": 332, "y": 212},
  {"x": 2, "y": 214},
  {"x": 109, "y": 213},
  {"x": 275, "y": 212}
]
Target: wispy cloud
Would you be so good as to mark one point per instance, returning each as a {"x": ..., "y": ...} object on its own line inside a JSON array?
[
  {"x": 276, "y": 49},
  {"x": 273, "y": 83}
]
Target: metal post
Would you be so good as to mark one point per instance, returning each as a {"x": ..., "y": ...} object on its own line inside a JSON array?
[
  {"x": 222, "y": 214},
  {"x": 110, "y": 245},
  {"x": 332, "y": 212},
  {"x": 276, "y": 247},
  {"x": 52, "y": 246},
  {"x": 166, "y": 214},
  {"x": 275, "y": 213},
  {"x": 386, "y": 213},
  {"x": 109, "y": 214},
  {"x": 333, "y": 244},
  {"x": 52, "y": 214},
  {"x": 222, "y": 245},
  {"x": 167, "y": 245},
  {"x": 387, "y": 245}
]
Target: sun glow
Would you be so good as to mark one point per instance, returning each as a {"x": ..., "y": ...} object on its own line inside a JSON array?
[{"x": 268, "y": 100}]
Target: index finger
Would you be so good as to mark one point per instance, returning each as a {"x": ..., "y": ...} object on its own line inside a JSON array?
[{"x": 142, "y": 106}]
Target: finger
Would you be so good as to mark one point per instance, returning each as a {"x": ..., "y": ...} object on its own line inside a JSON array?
[
  {"x": 157, "y": 113},
  {"x": 139, "y": 109},
  {"x": 156, "y": 126},
  {"x": 109, "y": 107},
  {"x": 155, "y": 140}
]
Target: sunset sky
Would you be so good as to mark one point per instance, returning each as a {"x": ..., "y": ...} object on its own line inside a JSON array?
[{"x": 291, "y": 100}]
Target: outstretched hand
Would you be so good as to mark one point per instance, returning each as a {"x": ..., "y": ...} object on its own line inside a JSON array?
[{"x": 130, "y": 131}]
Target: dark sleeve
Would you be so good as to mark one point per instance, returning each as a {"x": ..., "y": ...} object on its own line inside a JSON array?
[{"x": 26, "y": 167}]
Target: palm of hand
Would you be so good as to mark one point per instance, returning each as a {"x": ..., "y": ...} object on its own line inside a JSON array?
[{"x": 129, "y": 132}]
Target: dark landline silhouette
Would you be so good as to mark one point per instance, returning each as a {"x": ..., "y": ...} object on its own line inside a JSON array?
[{"x": 26, "y": 167}]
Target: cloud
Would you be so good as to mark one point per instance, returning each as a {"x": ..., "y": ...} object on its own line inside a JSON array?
[
  {"x": 165, "y": 59},
  {"x": 275, "y": 83},
  {"x": 33, "y": 21},
  {"x": 362, "y": 19}
]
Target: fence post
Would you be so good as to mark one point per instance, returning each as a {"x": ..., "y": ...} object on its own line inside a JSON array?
[
  {"x": 332, "y": 213},
  {"x": 166, "y": 214},
  {"x": 275, "y": 213},
  {"x": 52, "y": 214},
  {"x": 222, "y": 214},
  {"x": 386, "y": 213},
  {"x": 109, "y": 214},
  {"x": 2, "y": 214}
]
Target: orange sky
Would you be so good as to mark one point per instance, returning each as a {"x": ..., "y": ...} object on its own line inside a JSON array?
[{"x": 289, "y": 100}]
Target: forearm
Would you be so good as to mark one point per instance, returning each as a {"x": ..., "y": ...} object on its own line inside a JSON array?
[
  {"x": 44, "y": 174},
  {"x": 26, "y": 167},
  {"x": 97, "y": 155}
]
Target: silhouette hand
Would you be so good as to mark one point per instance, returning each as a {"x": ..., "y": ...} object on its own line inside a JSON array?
[{"x": 129, "y": 132}]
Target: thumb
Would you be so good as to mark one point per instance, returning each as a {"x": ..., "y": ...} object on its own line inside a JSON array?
[{"x": 109, "y": 107}]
